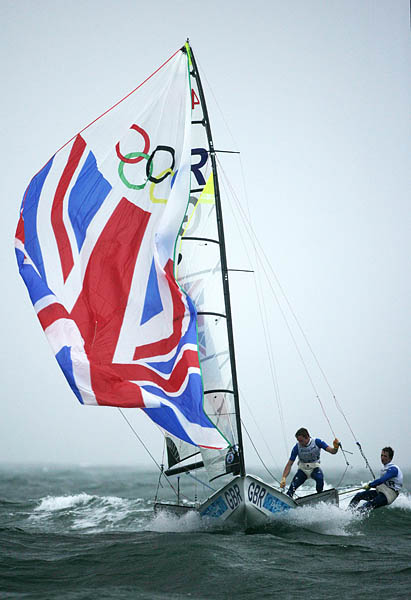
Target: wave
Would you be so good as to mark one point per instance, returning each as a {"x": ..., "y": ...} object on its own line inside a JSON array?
[
  {"x": 165, "y": 522},
  {"x": 403, "y": 502},
  {"x": 89, "y": 513},
  {"x": 55, "y": 503}
]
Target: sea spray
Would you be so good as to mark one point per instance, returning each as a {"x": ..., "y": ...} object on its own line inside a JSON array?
[{"x": 326, "y": 519}]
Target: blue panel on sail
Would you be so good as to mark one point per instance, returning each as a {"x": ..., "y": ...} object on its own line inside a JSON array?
[
  {"x": 152, "y": 303},
  {"x": 35, "y": 284},
  {"x": 86, "y": 197},
  {"x": 64, "y": 360},
  {"x": 30, "y": 206}
]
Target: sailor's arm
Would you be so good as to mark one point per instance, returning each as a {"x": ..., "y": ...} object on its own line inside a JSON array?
[
  {"x": 391, "y": 472},
  {"x": 287, "y": 468},
  {"x": 334, "y": 448},
  {"x": 286, "y": 472}
]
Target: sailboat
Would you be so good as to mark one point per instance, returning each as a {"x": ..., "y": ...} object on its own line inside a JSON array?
[{"x": 121, "y": 245}]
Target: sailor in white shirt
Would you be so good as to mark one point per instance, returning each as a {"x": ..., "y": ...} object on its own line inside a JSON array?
[{"x": 388, "y": 486}]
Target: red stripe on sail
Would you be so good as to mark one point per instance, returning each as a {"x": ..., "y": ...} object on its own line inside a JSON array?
[
  {"x": 52, "y": 313},
  {"x": 20, "y": 229},
  {"x": 62, "y": 239},
  {"x": 171, "y": 384},
  {"x": 100, "y": 308}
]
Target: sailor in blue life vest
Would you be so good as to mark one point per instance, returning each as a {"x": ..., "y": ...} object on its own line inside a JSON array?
[
  {"x": 388, "y": 486},
  {"x": 308, "y": 451}
]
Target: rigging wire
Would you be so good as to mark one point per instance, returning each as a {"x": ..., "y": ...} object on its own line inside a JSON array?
[
  {"x": 243, "y": 398},
  {"x": 139, "y": 438},
  {"x": 339, "y": 408},
  {"x": 257, "y": 247},
  {"x": 147, "y": 450},
  {"x": 264, "y": 321},
  {"x": 200, "y": 481},
  {"x": 259, "y": 456},
  {"x": 257, "y": 281},
  {"x": 253, "y": 236},
  {"x": 161, "y": 472}
]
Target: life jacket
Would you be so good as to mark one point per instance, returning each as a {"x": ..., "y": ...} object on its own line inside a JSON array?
[
  {"x": 395, "y": 483},
  {"x": 309, "y": 453}
]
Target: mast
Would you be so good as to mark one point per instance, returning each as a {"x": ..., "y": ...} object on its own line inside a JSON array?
[{"x": 223, "y": 255}]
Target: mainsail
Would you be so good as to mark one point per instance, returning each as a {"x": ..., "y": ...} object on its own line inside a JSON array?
[
  {"x": 119, "y": 247},
  {"x": 200, "y": 273}
]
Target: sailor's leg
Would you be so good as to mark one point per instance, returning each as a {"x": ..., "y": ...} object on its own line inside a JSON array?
[
  {"x": 298, "y": 480},
  {"x": 367, "y": 495},
  {"x": 377, "y": 501},
  {"x": 318, "y": 477},
  {"x": 357, "y": 498}
]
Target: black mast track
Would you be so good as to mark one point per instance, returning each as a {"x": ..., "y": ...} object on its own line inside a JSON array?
[{"x": 223, "y": 258}]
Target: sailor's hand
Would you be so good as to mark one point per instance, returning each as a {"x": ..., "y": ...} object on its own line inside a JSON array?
[
  {"x": 282, "y": 484},
  {"x": 336, "y": 444},
  {"x": 366, "y": 486}
]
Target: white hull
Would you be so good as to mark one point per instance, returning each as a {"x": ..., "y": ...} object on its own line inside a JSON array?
[{"x": 249, "y": 502}]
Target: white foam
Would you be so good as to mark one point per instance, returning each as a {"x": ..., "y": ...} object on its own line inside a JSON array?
[
  {"x": 327, "y": 519},
  {"x": 109, "y": 511},
  {"x": 54, "y": 503},
  {"x": 403, "y": 501},
  {"x": 90, "y": 513},
  {"x": 164, "y": 522}
]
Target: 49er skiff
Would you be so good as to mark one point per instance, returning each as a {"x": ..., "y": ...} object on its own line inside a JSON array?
[{"x": 120, "y": 243}]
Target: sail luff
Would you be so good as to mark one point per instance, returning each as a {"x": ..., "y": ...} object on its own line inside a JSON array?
[{"x": 223, "y": 257}]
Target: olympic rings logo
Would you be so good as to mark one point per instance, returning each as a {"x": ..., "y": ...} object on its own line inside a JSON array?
[{"x": 136, "y": 157}]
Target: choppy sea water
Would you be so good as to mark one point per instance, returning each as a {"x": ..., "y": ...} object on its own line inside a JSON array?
[{"x": 83, "y": 532}]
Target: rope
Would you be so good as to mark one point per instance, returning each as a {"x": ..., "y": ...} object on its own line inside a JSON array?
[
  {"x": 202, "y": 482},
  {"x": 264, "y": 320},
  {"x": 139, "y": 438},
  {"x": 350, "y": 491},
  {"x": 365, "y": 459},
  {"x": 256, "y": 451},
  {"x": 256, "y": 244},
  {"x": 342, "y": 477},
  {"x": 255, "y": 241},
  {"x": 243, "y": 398},
  {"x": 160, "y": 467},
  {"x": 161, "y": 472}
]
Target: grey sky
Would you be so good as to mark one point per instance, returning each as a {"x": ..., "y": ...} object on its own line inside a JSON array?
[{"x": 316, "y": 95}]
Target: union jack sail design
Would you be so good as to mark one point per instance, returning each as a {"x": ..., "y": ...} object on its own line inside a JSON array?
[{"x": 95, "y": 245}]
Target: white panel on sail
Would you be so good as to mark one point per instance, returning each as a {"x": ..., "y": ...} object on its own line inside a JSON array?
[{"x": 199, "y": 274}]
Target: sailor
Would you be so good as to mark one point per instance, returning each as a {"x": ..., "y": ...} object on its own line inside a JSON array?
[
  {"x": 388, "y": 486},
  {"x": 308, "y": 451}
]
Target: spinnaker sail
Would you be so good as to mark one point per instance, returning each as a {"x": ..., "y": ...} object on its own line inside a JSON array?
[{"x": 101, "y": 229}]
